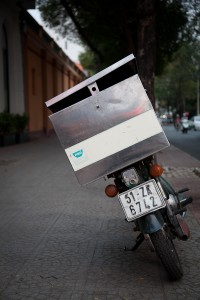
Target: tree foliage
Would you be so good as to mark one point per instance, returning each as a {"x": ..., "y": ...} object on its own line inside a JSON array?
[
  {"x": 177, "y": 87},
  {"x": 112, "y": 26},
  {"x": 112, "y": 29}
]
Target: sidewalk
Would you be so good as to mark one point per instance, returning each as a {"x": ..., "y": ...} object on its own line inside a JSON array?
[{"x": 61, "y": 241}]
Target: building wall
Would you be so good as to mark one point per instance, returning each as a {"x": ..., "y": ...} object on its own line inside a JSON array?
[
  {"x": 11, "y": 65},
  {"x": 34, "y": 87},
  {"x": 35, "y": 70},
  {"x": 48, "y": 72}
]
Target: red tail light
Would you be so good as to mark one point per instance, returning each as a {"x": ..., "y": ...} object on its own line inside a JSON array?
[
  {"x": 156, "y": 171},
  {"x": 111, "y": 190}
]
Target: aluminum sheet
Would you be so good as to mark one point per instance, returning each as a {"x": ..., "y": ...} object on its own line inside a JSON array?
[
  {"x": 102, "y": 111},
  {"x": 109, "y": 130}
]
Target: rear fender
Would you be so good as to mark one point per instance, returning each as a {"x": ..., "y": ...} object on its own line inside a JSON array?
[
  {"x": 151, "y": 222},
  {"x": 168, "y": 189}
]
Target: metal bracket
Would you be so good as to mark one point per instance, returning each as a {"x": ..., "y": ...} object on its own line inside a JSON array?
[{"x": 94, "y": 90}]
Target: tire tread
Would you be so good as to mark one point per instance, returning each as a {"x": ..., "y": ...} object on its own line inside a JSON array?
[{"x": 166, "y": 251}]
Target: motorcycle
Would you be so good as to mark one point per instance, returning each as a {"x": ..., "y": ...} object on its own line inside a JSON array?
[
  {"x": 107, "y": 125},
  {"x": 156, "y": 210},
  {"x": 184, "y": 125}
]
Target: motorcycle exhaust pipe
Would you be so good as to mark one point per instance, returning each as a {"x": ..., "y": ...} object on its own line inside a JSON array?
[
  {"x": 184, "y": 231},
  {"x": 183, "y": 203},
  {"x": 181, "y": 227},
  {"x": 186, "y": 201}
]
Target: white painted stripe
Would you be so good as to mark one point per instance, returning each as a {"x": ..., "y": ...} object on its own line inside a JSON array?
[{"x": 113, "y": 140}]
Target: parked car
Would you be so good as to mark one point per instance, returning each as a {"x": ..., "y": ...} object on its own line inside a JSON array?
[
  {"x": 194, "y": 123},
  {"x": 197, "y": 122},
  {"x": 191, "y": 124}
]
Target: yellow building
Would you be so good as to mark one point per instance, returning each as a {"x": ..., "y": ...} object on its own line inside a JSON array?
[{"x": 33, "y": 68}]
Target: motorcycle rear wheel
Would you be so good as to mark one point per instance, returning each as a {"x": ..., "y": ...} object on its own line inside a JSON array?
[{"x": 166, "y": 251}]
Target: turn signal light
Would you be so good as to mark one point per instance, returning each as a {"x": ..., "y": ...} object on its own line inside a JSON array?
[
  {"x": 156, "y": 170},
  {"x": 111, "y": 190}
]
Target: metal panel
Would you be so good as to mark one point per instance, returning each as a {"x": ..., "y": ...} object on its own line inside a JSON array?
[
  {"x": 122, "y": 159},
  {"x": 115, "y": 73},
  {"x": 113, "y": 140},
  {"x": 103, "y": 113}
]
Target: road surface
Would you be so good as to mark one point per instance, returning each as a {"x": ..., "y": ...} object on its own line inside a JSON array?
[{"x": 189, "y": 142}]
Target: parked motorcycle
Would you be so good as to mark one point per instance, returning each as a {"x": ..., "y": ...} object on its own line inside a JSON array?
[
  {"x": 156, "y": 210},
  {"x": 107, "y": 125}
]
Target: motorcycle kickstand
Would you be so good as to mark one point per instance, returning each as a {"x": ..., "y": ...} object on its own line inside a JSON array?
[{"x": 138, "y": 242}]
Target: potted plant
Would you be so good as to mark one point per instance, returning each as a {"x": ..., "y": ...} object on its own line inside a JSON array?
[
  {"x": 21, "y": 122},
  {"x": 12, "y": 128},
  {"x": 7, "y": 129}
]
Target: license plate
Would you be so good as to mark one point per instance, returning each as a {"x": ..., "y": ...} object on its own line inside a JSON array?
[{"x": 141, "y": 200}]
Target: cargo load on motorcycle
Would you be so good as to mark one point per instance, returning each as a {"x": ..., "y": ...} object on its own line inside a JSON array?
[{"x": 106, "y": 122}]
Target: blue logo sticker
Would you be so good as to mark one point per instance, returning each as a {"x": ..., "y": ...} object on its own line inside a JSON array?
[{"x": 78, "y": 153}]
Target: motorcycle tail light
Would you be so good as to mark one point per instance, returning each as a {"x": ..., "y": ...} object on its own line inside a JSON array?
[
  {"x": 111, "y": 190},
  {"x": 156, "y": 170}
]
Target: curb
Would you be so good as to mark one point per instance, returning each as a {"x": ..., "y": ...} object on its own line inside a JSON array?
[
  {"x": 181, "y": 171},
  {"x": 197, "y": 171}
]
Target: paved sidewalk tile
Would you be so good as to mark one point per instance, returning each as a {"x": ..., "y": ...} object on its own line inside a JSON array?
[{"x": 61, "y": 241}]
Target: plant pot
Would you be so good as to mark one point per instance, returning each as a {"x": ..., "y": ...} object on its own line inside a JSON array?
[
  {"x": 7, "y": 139},
  {"x": 21, "y": 137}
]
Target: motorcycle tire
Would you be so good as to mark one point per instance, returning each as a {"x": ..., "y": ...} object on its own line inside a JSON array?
[{"x": 166, "y": 251}]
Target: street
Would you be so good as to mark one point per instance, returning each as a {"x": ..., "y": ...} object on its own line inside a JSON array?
[
  {"x": 61, "y": 241},
  {"x": 189, "y": 142}
]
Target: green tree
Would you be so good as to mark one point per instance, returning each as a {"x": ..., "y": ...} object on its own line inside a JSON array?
[
  {"x": 177, "y": 87},
  {"x": 151, "y": 29}
]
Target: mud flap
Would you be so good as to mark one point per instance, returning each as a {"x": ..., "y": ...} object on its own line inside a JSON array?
[{"x": 151, "y": 222}]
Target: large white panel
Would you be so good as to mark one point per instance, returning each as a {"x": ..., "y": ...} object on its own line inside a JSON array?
[{"x": 113, "y": 140}]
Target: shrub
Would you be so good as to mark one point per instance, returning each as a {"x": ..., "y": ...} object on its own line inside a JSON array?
[
  {"x": 7, "y": 123},
  {"x": 12, "y": 123},
  {"x": 21, "y": 121}
]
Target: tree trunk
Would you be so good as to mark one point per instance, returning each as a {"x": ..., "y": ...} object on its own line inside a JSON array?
[{"x": 146, "y": 45}]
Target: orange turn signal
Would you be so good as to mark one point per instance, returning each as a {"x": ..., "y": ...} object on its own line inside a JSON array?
[
  {"x": 111, "y": 190},
  {"x": 156, "y": 170}
]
